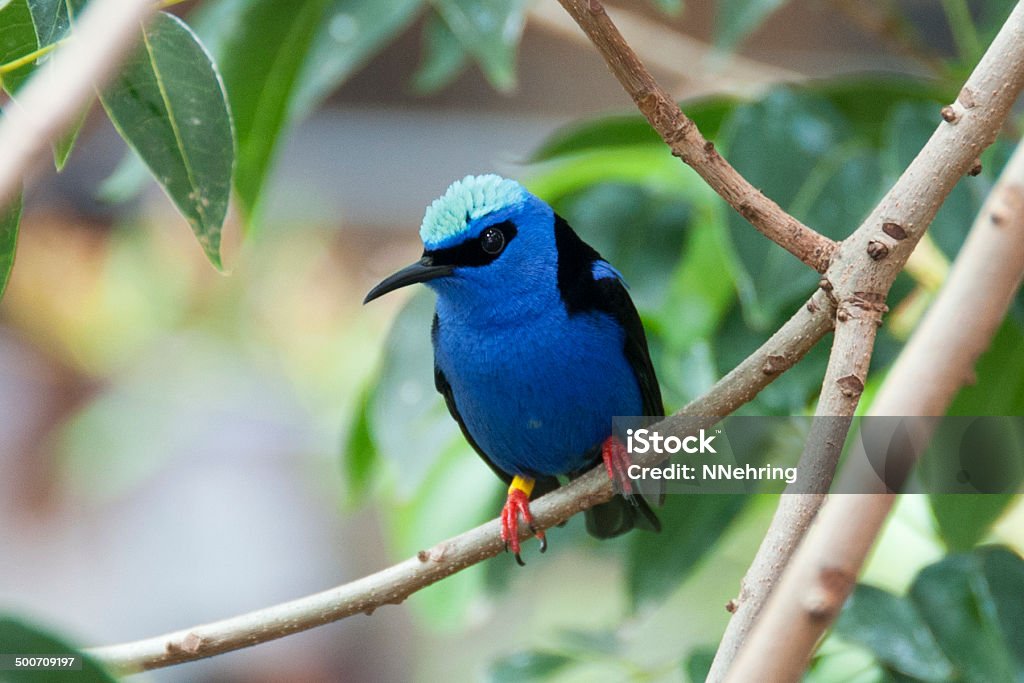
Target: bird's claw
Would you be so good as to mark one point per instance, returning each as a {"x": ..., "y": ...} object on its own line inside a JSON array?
[
  {"x": 616, "y": 462},
  {"x": 518, "y": 503}
]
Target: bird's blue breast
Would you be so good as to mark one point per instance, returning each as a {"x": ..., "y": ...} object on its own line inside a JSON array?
[{"x": 539, "y": 394}]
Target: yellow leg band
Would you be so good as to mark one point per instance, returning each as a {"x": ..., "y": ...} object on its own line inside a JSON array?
[{"x": 521, "y": 484}]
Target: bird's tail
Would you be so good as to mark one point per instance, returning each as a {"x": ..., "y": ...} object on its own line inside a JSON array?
[{"x": 619, "y": 515}]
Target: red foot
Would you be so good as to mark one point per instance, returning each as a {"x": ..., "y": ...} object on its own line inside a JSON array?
[
  {"x": 617, "y": 462},
  {"x": 518, "y": 502}
]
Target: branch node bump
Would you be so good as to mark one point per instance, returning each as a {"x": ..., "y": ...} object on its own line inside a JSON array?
[
  {"x": 877, "y": 250},
  {"x": 423, "y": 556},
  {"x": 975, "y": 168},
  {"x": 595, "y": 7},
  {"x": 869, "y": 301},
  {"x": 894, "y": 230},
  {"x": 949, "y": 114},
  {"x": 190, "y": 644},
  {"x": 732, "y": 606},
  {"x": 828, "y": 596},
  {"x": 773, "y": 364},
  {"x": 852, "y": 386}
]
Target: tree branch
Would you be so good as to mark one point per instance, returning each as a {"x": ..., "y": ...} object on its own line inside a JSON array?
[
  {"x": 57, "y": 93},
  {"x": 956, "y": 330},
  {"x": 680, "y": 133},
  {"x": 393, "y": 585},
  {"x": 858, "y": 279}
]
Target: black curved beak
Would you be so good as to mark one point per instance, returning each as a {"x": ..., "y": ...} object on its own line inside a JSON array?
[{"x": 421, "y": 271}]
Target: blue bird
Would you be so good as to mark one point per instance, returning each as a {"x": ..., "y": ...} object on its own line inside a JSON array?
[{"x": 537, "y": 346}]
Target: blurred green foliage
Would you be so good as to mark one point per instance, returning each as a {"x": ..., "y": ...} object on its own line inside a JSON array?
[{"x": 959, "y": 621}]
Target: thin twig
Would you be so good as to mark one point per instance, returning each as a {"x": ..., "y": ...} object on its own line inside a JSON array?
[
  {"x": 52, "y": 100},
  {"x": 937, "y": 360},
  {"x": 886, "y": 238},
  {"x": 783, "y": 349},
  {"x": 681, "y": 134}
]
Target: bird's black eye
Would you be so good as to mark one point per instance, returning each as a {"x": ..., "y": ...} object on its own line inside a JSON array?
[{"x": 492, "y": 240}]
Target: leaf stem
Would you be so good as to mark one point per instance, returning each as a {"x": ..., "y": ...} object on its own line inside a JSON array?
[{"x": 24, "y": 60}]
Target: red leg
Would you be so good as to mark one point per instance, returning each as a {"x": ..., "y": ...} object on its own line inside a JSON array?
[
  {"x": 616, "y": 462},
  {"x": 518, "y": 502}
]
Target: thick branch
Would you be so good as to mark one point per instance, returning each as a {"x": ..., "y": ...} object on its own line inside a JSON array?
[
  {"x": 55, "y": 96},
  {"x": 858, "y": 280},
  {"x": 934, "y": 364},
  {"x": 797, "y": 508},
  {"x": 682, "y": 136},
  {"x": 396, "y": 583}
]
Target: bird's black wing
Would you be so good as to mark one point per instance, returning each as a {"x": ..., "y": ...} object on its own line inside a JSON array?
[
  {"x": 542, "y": 485},
  {"x": 581, "y": 291},
  {"x": 620, "y": 306}
]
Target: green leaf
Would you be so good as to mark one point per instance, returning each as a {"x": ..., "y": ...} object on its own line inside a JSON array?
[
  {"x": 127, "y": 180},
  {"x": 280, "y": 59},
  {"x": 456, "y": 493},
  {"x": 350, "y": 33},
  {"x": 673, "y": 8},
  {"x": 360, "y": 456},
  {"x": 9, "y": 219},
  {"x": 609, "y": 216},
  {"x": 489, "y": 30},
  {"x": 260, "y": 48},
  {"x": 990, "y": 17},
  {"x": 891, "y": 627},
  {"x": 962, "y": 620},
  {"x": 17, "y": 39},
  {"x": 963, "y": 519},
  {"x": 702, "y": 290},
  {"x": 19, "y": 638},
  {"x": 697, "y": 665},
  {"x": 627, "y": 130},
  {"x": 999, "y": 372},
  {"x": 736, "y": 19},
  {"x": 691, "y": 525},
  {"x": 972, "y": 604},
  {"x": 63, "y": 147},
  {"x": 407, "y": 417},
  {"x": 789, "y": 145},
  {"x": 443, "y": 58},
  {"x": 51, "y": 20},
  {"x": 530, "y": 665},
  {"x": 168, "y": 104}
]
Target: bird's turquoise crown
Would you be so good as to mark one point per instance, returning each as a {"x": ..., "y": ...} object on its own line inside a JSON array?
[{"x": 474, "y": 196}]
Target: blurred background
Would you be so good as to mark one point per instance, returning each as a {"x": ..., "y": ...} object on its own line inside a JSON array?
[{"x": 179, "y": 445}]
